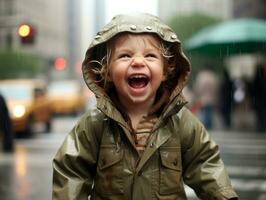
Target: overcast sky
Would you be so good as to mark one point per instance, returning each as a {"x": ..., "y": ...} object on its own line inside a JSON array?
[{"x": 114, "y": 7}]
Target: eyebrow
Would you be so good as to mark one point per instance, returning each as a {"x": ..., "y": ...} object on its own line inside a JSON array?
[{"x": 129, "y": 49}]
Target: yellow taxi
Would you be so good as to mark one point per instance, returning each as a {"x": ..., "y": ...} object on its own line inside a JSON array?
[
  {"x": 66, "y": 97},
  {"x": 27, "y": 103}
]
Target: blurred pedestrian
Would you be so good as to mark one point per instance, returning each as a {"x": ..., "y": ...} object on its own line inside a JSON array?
[
  {"x": 226, "y": 99},
  {"x": 5, "y": 126},
  {"x": 242, "y": 117},
  {"x": 259, "y": 97},
  {"x": 141, "y": 142},
  {"x": 206, "y": 92}
]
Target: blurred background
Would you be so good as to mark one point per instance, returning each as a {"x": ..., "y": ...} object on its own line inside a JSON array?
[{"x": 42, "y": 92}]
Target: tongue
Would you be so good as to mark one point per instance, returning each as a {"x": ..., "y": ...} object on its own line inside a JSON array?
[{"x": 137, "y": 82}]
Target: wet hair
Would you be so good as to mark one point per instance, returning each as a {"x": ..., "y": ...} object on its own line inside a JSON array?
[{"x": 100, "y": 65}]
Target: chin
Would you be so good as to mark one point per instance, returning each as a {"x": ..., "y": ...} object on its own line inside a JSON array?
[{"x": 140, "y": 99}]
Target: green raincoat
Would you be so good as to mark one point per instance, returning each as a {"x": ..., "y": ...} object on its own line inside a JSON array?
[{"x": 99, "y": 159}]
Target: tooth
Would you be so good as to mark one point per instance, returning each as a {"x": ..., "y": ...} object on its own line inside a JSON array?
[{"x": 138, "y": 76}]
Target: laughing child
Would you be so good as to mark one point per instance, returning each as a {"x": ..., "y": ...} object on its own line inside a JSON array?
[{"x": 140, "y": 142}]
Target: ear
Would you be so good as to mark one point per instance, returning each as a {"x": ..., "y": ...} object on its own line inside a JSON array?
[
  {"x": 164, "y": 78},
  {"x": 108, "y": 76},
  {"x": 165, "y": 73}
]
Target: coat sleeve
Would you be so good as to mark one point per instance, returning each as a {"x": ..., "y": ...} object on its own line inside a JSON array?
[
  {"x": 75, "y": 162},
  {"x": 203, "y": 169}
]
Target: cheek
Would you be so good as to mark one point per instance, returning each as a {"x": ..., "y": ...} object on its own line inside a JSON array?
[{"x": 114, "y": 74}]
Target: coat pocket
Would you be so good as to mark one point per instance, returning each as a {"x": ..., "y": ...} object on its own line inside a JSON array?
[
  {"x": 170, "y": 170},
  {"x": 109, "y": 177}
]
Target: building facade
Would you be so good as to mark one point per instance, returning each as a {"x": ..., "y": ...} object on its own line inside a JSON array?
[
  {"x": 47, "y": 17},
  {"x": 57, "y": 26},
  {"x": 216, "y": 8},
  {"x": 249, "y": 8}
]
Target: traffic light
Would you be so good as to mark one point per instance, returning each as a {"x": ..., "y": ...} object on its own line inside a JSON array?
[
  {"x": 26, "y": 33},
  {"x": 60, "y": 64}
]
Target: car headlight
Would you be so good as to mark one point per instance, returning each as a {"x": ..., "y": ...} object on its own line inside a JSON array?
[{"x": 19, "y": 111}]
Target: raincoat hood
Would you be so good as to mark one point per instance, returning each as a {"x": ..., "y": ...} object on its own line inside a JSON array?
[{"x": 135, "y": 23}]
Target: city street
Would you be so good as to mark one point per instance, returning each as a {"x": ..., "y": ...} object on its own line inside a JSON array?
[
  {"x": 146, "y": 59},
  {"x": 27, "y": 174}
]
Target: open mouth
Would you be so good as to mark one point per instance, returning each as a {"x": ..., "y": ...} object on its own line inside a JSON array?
[{"x": 138, "y": 81}]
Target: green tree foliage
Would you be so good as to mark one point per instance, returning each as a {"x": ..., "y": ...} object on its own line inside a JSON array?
[
  {"x": 14, "y": 64},
  {"x": 186, "y": 26}
]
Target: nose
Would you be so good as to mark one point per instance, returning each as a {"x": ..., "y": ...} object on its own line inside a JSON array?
[{"x": 138, "y": 61}]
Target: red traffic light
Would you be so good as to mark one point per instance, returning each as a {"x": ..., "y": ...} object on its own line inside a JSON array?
[
  {"x": 26, "y": 33},
  {"x": 60, "y": 64}
]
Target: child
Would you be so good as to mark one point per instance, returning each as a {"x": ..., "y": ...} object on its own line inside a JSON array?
[{"x": 140, "y": 142}]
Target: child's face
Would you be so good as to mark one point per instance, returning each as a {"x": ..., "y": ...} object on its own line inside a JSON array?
[{"x": 136, "y": 68}]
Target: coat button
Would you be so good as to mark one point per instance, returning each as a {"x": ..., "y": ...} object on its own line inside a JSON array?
[
  {"x": 173, "y": 37},
  {"x": 175, "y": 162},
  {"x": 149, "y": 28},
  {"x": 97, "y": 37},
  {"x": 133, "y": 27}
]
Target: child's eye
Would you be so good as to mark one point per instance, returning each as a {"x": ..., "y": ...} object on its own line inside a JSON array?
[
  {"x": 151, "y": 55},
  {"x": 124, "y": 55}
]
